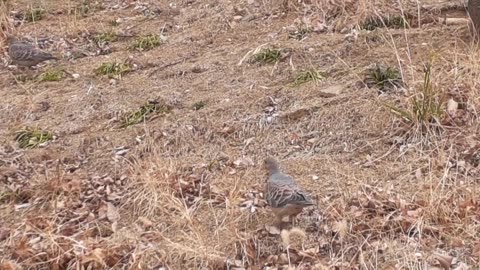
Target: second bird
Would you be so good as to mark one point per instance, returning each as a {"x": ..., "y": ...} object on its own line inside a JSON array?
[
  {"x": 282, "y": 193},
  {"x": 25, "y": 54}
]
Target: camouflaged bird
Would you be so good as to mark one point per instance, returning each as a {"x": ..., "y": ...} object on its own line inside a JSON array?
[
  {"x": 282, "y": 193},
  {"x": 25, "y": 54}
]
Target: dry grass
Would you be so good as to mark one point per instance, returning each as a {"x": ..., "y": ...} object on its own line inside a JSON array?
[{"x": 185, "y": 190}]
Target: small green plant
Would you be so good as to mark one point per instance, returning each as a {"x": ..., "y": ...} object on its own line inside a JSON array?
[
  {"x": 199, "y": 105},
  {"x": 299, "y": 34},
  {"x": 50, "y": 76},
  {"x": 311, "y": 75},
  {"x": 148, "y": 42},
  {"x": 267, "y": 56},
  {"x": 143, "y": 113},
  {"x": 388, "y": 21},
  {"x": 32, "y": 137},
  {"x": 105, "y": 37},
  {"x": 113, "y": 23},
  {"x": 113, "y": 69},
  {"x": 426, "y": 106},
  {"x": 84, "y": 7},
  {"x": 21, "y": 78},
  {"x": 34, "y": 14},
  {"x": 384, "y": 78}
]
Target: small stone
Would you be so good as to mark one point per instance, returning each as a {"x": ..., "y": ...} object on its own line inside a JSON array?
[
  {"x": 76, "y": 76},
  {"x": 332, "y": 91}
]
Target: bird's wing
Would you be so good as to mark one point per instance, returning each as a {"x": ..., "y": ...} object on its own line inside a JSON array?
[
  {"x": 26, "y": 51},
  {"x": 22, "y": 51},
  {"x": 280, "y": 195},
  {"x": 281, "y": 178}
]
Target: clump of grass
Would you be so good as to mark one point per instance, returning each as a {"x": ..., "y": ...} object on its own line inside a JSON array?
[
  {"x": 426, "y": 106},
  {"x": 113, "y": 23},
  {"x": 84, "y": 7},
  {"x": 148, "y": 42},
  {"x": 384, "y": 78},
  {"x": 306, "y": 76},
  {"x": 34, "y": 14},
  {"x": 105, "y": 37},
  {"x": 32, "y": 137},
  {"x": 299, "y": 34},
  {"x": 267, "y": 56},
  {"x": 50, "y": 76},
  {"x": 395, "y": 22},
  {"x": 199, "y": 105},
  {"x": 143, "y": 113},
  {"x": 113, "y": 69},
  {"x": 21, "y": 78}
]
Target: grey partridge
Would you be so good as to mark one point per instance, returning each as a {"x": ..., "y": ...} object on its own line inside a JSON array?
[
  {"x": 25, "y": 54},
  {"x": 473, "y": 8},
  {"x": 283, "y": 195}
]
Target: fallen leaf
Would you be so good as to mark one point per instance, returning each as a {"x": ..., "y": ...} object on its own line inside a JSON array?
[
  {"x": 341, "y": 227},
  {"x": 112, "y": 212},
  {"x": 4, "y": 233},
  {"x": 22, "y": 251},
  {"x": 331, "y": 91},
  {"x": 97, "y": 255},
  {"x": 462, "y": 266},
  {"x": 8, "y": 265},
  {"x": 414, "y": 213},
  {"x": 452, "y": 106},
  {"x": 445, "y": 261},
  {"x": 102, "y": 211},
  {"x": 418, "y": 174},
  {"x": 145, "y": 222},
  {"x": 243, "y": 162},
  {"x": 272, "y": 230}
]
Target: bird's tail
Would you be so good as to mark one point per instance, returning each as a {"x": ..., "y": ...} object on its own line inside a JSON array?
[{"x": 272, "y": 166}]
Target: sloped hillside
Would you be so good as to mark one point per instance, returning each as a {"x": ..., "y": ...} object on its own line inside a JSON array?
[{"x": 142, "y": 147}]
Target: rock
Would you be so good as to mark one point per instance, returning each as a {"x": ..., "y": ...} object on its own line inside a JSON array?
[{"x": 332, "y": 91}]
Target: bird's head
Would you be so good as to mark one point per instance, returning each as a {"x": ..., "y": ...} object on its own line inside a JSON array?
[{"x": 271, "y": 164}]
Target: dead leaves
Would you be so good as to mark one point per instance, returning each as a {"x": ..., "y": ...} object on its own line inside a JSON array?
[
  {"x": 252, "y": 200},
  {"x": 96, "y": 257},
  {"x": 22, "y": 250},
  {"x": 445, "y": 261}
]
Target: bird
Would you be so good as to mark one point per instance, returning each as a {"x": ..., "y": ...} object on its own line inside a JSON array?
[
  {"x": 473, "y": 8},
  {"x": 25, "y": 54},
  {"x": 283, "y": 195}
]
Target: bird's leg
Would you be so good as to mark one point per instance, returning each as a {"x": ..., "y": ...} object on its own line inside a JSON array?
[{"x": 278, "y": 222}]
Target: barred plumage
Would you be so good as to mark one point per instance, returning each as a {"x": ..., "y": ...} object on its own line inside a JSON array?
[
  {"x": 282, "y": 193},
  {"x": 25, "y": 54}
]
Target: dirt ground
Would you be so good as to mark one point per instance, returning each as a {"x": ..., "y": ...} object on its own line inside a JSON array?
[{"x": 183, "y": 189}]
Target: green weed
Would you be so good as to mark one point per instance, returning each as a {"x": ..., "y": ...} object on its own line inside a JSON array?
[
  {"x": 383, "y": 77},
  {"x": 312, "y": 75},
  {"x": 395, "y": 22},
  {"x": 143, "y": 113},
  {"x": 113, "y": 69},
  {"x": 32, "y": 137},
  {"x": 427, "y": 106},
  {"x": 148, "y": 42},
  {"x": 267, "y": 56},
  {"x": 50, "y": 76}
]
